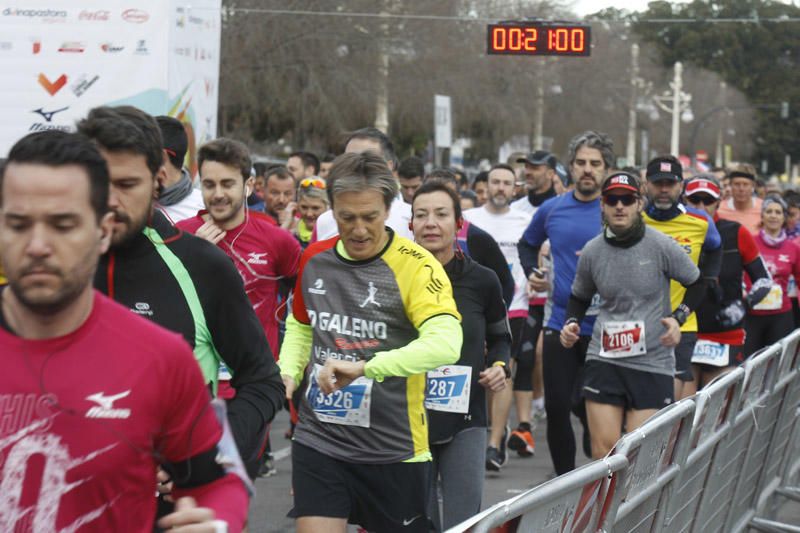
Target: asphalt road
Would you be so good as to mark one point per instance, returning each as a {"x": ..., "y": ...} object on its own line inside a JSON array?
[{"x": 273, "y": 499}]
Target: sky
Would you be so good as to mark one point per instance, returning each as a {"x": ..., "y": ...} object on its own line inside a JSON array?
[{"x": 584, "y": 7}]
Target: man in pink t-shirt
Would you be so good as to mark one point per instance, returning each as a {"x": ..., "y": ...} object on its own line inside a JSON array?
[
  {"x": 95, "y": 397},
  {"x": 742, "y": 207},
  {"x": 263, "y": 253}
]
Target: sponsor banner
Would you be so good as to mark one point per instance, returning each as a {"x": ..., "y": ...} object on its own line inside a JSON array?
[{"x": 65, "y": 60}]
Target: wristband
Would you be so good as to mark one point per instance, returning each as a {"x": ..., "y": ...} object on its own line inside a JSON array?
[
  {"x": 571, "y": 320},
  {"x": 681, "y": 314}
]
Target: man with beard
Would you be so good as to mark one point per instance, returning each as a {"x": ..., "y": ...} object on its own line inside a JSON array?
[
  {"x": 178, "y": 281},
  {"x": 539, "y": 171},
  {"x": 506, "y": 226},
  {"x": 94, "y": 396},
  {"x": 263, "y": 253},
  {"x": 569, "y": 221},
  {"x": 696, "y": 233}
]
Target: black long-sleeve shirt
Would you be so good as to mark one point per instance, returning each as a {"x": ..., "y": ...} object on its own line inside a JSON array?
[
  {"x": 189, "y": 286},
  {"x": 487, "y": 340},
  {"x": 481, "y": 247}
]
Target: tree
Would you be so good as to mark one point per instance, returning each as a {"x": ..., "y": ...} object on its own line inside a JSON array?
[{"x": 748, "y": 43}]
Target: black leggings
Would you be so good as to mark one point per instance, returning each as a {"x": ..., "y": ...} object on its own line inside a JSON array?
[
  {"x": 562, "y": 371},
  {"x": 763, "y": 330},
  {"x": 526, "y": 358}
]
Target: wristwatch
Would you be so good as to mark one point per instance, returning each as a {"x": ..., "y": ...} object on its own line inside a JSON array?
[
  {"x": 505, "y": 368},
  {"x": 681, "y": 313}
]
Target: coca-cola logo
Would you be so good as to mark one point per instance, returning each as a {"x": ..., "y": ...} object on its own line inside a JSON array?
[
  {"x": 136, "y": 16},
  {"x": 101, "y": 15}
]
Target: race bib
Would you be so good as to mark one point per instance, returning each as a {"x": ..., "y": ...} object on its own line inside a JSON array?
[
  {"x": 348, "y": 406},
  {"x": 223, "y": 374},
  {"x": 594, "y": 306},
  {"x": 622, "y": 339},
  {"x": 448, "y": 389},
  {"x": 773, "y": 301},
  {"x": 710, "y": 353}
]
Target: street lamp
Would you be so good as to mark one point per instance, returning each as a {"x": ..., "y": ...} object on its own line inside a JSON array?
[{"x": 676, "y": 102}]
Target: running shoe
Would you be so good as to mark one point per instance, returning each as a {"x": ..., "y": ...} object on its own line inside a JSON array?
[
  {"x": 494, "y": 461},
  {"x": 521, "y": 441},
  {"x": 268, "y": 467}
]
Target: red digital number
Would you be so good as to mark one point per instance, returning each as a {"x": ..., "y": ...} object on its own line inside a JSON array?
[
  {"x": 567, "y": 40},
  {"x": 530, "y": 40},
  {"x": 578, "y": 40},
  {"x": 523, "y": 39},
  {"x": 559, "y": 40},
  {"x": 498, "y": 39}
]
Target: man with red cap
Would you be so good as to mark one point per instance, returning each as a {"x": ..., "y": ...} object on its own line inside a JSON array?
[{"x": 630, "y": 361}]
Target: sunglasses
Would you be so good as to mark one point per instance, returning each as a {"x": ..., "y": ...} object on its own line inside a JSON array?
[
  {"x": 612, "y": 200},
  {"x": 312, "y": 182},
  {"x": 701, "y": 199}
]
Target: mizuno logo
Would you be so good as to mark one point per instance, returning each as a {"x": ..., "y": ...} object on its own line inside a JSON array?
[
  {"x": 105, "y": 406},
  {"x": 257, "y": 259},
  {"x": 48, "y": 115}
]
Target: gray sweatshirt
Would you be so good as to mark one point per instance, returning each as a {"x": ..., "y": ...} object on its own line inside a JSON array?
[{"x": 633, "y": 285}]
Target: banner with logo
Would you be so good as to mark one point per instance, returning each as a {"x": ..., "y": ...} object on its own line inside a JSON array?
[{"x": 59, "y": 61}]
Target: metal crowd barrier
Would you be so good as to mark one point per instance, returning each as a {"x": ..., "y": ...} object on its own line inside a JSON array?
[
  {"x": 571, "y": 502},
  {"x": 710, "y": 463}
]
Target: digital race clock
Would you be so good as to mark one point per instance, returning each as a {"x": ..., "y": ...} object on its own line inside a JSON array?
[{"x": 538, "y": 39}]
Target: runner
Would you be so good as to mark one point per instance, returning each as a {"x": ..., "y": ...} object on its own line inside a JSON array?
[
  {"x": 695, "y": 231},
  {"x": 720, "y": 317},
  {"x": 375, "y": 141},
  {"x": 742, "y": 206},
  {"x": 263, "y": 253},
  {"x": 372, "y": 312},
  {"x": 476, "y": 243},
  {"x": 630, "y": 361},
  {"x": 569, "y": 221},
  {"x": 312, "y": 201},
  {"x": 178, "y": 281},
  {"x": 456, "y": 399},
  {"x": 772, "y": 318},
  {"x": 177, "y": 196},
  {"x": 506, "y": 226},
  {"x": 95, "y": 396}
]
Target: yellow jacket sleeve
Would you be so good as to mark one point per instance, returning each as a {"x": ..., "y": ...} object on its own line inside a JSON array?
[
  {"x": 296, "y": 349},
  {"x": 439, "y": 343}
]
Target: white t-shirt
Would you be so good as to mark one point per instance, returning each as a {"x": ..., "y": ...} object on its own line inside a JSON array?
[
  {"x": 399, "y": 217},
  {"x": 506, "y": 230},
  {"x": 186, "y": 208},
  {"x": 524, "y": 205}
]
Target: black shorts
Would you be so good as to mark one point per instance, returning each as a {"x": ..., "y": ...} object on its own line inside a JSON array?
[
  {"x": 683, "y": 356},
  {"x": 386, "y": 497},
  {"x": 629, "y": 388},
  {"x": 735, "y": 358}
]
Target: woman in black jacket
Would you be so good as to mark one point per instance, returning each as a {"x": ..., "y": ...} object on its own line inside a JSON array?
[{"x": 456, "y": 398}]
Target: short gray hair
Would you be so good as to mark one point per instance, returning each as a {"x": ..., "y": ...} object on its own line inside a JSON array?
[
  {"x": 593, "y": 139},
  {"x": 359, "y": 172}
]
